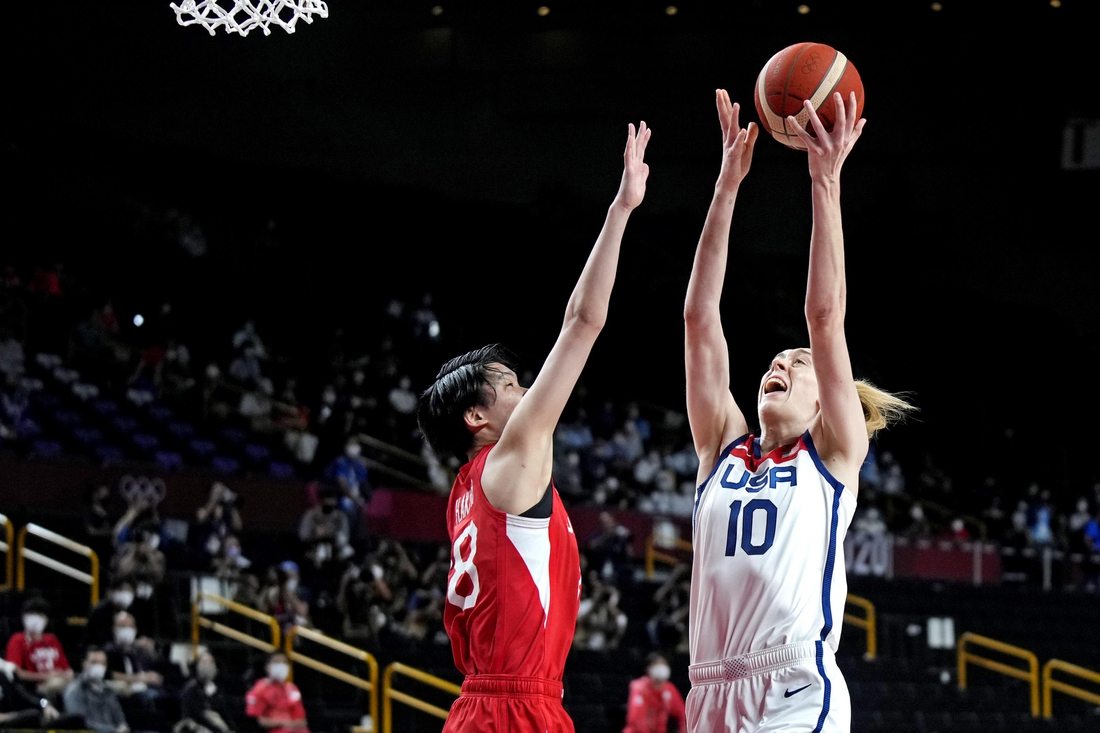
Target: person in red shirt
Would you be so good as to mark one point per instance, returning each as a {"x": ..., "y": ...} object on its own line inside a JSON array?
[
  {"x": 38, "y": 657},
  {"x": 514, "y": 585},
  {"x": 653, "y": 700},
  {"x": 275, "y": 703}
]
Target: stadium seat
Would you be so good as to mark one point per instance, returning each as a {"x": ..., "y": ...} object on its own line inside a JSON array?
[
  {"x": 109, "y": 453},
  {"x": 46, "y": 448},
  {"x": 225, "y": 464},
  {"x": 182, "y": 431},
  {"x": 236, "y": 436},
  {"x": 67, "y": 418},
  {"x": 160, "y": 413},
  {"x": 145, "y": 442},
  {"x": 124, "y": 424},
  {"x": 105, "y": 407},
  {"x": 28, "y": 429},
  {"x": 257, "y": 453},
  {"x": 202, "y": 449},
  {"x": 88, "y": 437},
  {"x": 279, "y": 469},
  {"x": 169, "y": 460}
]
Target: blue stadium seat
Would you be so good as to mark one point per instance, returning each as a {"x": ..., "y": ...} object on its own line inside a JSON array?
[
  {"x": 46, "y": 448},
  {"x": 67, "y": 418},
  {"x": 145, "y": 442},
  {"x": 181, "y": 430},
  {"x": 108, "y": 453},
  {"x": 236, "y": 436},
  {"x": 225, "y": 464},
  {"x": 88, "y": 437},
  {"x": 279, "y": 469},
  {"x": 28, "y": 429},
  {"x": 202, "y": 449},
  {"x": 257, "y": 453},
  {"x": 169, "y": 460},
  {"x": 160, "y": 413},
  {"x": 124, "y": 424},
  {"x": 105, "y": 407}
]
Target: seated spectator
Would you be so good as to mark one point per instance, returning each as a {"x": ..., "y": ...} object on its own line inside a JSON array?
[
  {"x": 140, "y": 559},
  {"x": 230, "y": 563},
  {"x": 91, "y": 698},
  {"x": 669, "y": 624},
  {"x": 325, "y": 532},
  {"x": 653, "y": 700},
  {"x": 918, "y": 528},
  {"x": 610, "y": 549},
  {"x": 39, "y": 660},
  {"x": 362, "y": 600},
  {"x": 133, "y": 673},
  {"x": 217, "y": 519},
  {"x": 21, "y": 708},
  {"x": 280, "y": 599},
  {"x": 204, "y": 708},
  {"x": 275, "y": 703},
  {"x": 600, "y": 622},
  {"x": 101, "y": 621}
]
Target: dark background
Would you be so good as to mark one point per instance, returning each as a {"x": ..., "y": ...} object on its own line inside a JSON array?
[{"x": 386, "y": 152}]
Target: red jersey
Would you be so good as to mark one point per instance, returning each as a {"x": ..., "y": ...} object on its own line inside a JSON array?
[
  {"x": 41, "y": 655},
  {"x": 650, "y": 708},
  {"x": 514, "y": 585},
  {"x": 278, "y": 700}
]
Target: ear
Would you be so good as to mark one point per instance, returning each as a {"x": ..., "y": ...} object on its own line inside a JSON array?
[{"x": 475, "y": 418}]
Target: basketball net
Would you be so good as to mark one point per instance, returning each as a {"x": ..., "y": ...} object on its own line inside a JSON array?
[{"x": 242, "y": 16}]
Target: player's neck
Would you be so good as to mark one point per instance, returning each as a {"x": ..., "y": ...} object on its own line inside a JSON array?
[{"x": 775, "y": 436}]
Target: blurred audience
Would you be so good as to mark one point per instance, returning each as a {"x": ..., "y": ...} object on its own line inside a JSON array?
[
  {"x": 90, "y": 697},
  {"x": 39, "y": 659},
  {"x": 654, "y": 705},
  {"x": 274, "y": 703}
]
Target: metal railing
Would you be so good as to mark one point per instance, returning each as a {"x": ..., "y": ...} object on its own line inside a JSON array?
[
  {"x": 7, "y": 546},
  {"x": 90, "y": 578},
  {"x": 1031, "y": 675},
  {"x": 653, "y": 555},
  {"x": 199, "y": 621},
  {"x": 867, "y": 623},
  {"x": 389, "y": 694},
  {"x": 1050, "y": 685},
  {"x": 370, "y": 685}
]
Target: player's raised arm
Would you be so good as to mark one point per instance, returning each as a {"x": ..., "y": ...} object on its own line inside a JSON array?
[
  {"x": 517, "y": 472},
  {"x": 842, "y": 433},
  {"x": 715, "y": 418}
]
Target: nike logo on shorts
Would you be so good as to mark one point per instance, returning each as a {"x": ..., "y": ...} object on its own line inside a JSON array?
[{"x": 788, "y": 693}]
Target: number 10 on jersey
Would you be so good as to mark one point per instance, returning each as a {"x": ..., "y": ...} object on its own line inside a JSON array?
[{"x": 747, "y": 515}]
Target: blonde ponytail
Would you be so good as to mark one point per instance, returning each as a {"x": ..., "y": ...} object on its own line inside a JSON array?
[{"x": 880, "y": 408}]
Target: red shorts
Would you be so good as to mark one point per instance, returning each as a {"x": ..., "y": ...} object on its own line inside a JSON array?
[{"x": 492, "y": 703}]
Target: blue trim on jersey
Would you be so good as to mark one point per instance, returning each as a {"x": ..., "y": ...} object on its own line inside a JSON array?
[
  {"x": 812, "y": 450},
  {"x": 827, "y": 581},
  {"x": 702, "y": 486},
  {"x": 756, "y": 448},
  {"x": 828, "y": 687}
]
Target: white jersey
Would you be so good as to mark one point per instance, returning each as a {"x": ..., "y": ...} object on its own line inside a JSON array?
[{"x": 768, "y": 566}]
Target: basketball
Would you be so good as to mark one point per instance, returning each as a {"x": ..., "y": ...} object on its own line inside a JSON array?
[{"x": 804, "y": 71}]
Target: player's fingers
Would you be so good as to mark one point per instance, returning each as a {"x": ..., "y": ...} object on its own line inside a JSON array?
[
  {"x": 804, "y": 136},
  {"x": 629, "y": 140},
  {"x": 815, "y": 121},
  {"x": 852, "y": 105},
  {"x": 841, "y": 124},
  {"x": 723, "y": 119},
  {"x": 735, "y": 118},
  {"x": 754, "y": 132},
  {"x": 643, "y": 139}
]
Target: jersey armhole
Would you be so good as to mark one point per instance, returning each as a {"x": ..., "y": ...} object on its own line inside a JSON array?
[{"x": 545, "y": 507}]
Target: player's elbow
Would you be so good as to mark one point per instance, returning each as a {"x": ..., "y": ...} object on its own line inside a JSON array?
[
  {"x": 586, "y": 321},
  {"x": 824, "y": 316}
]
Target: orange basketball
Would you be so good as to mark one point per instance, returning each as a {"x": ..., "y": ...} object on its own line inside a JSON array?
[{"x": 804, "y": 71}]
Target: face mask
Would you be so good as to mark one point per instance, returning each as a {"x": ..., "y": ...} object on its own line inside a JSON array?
[
  {"x": 96, "y": 671},
  {"x": 123, "y": 598},
  {"x": 206, "y": 672},
  {"x": 353, "y": 450},
  {"x": 125, "y": 635},
  {"x": 153, "y": 541},
  {"x": 660, "y": 672},
  {"x": 233, "y": 551},
  {"x": 292, "y": 585},
  {"x": 144, "y": 590},
  {"x": 34, "y": 624},
  {"x": 278, "y": 672}
]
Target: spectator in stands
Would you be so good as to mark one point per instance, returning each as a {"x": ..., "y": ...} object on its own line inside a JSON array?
[
  {"x": 280, "y": 599},
  {"x": 217, "y": 519},
  {"x": 362, "y": 599},
  {"x": 918, "y": 528},
  {"x": 141, "y": 560},
  {"x": 230, "y": 563},
  {"x": 600, "y": 622},
  {"x": 669, "y": 624},
  {"x": 133, "y": 673},
  {"x": 653, "y": 700},
  {"x": 37, "y": 655},
  {"x": 204, "y": 708},
  {"x": 958, "y": 531},
  {"x": 101, "y": 621},
  {"x": 324, "y": 530},
  {"x": 349, "y": 472},
  {"x": 401, "y": 398},
  {"x": 20, "y": 708},
  {"x": 610, "y": 549},
  {"x": 91, "y": 698},
  {"x": 99, "y": 522},
  {"x": 275, "y": 703}
]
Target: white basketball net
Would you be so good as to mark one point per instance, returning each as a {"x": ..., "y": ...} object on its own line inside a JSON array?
[{"x": 242, "y": 16}]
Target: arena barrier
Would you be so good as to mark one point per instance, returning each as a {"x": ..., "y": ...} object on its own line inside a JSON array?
[
  {"x": 1050, "y": 685},
  {"x": 7, "y": 546},
  {"x": 1031, "y": 675},
  {"x": 91, "y": 578},
  {"x": 370, "y": 685},
  {"x": 653, "y": 555},
  {"x": 389, "y": 694},
  {"x": 199, "y": 621},
  {"x": 867, "y": 623}
]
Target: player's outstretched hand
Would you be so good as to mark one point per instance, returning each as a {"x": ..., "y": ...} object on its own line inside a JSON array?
[
  {"x": 828, "y": 150},
  {"x": 737, "y": 143},
  {"x": 635, "y": 169}
]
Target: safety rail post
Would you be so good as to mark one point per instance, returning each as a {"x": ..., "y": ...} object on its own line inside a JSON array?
[
  {"x": 370, "y": 685},
  {"x": 1050, "y": 684},
  {"x": 1031, "y": 676},
  {"x": 652, "y": 555},
  {"x": 23, "y": 554},
  {"x": 8, "y": 547},
  {"x": 389, "y": 694},
  {"x": 199, "y": 621},
  {"x": 868, "y": 623}
]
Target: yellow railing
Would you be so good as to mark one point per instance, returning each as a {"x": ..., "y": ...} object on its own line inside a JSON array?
[
  {"x": 8, "y": 549},
  {"x": 389, "y": 694},
  {"x": 23, "y": 554},
  {"x": 867, "y": 623},
  {"x": 1050, "y": 684},
  {"x": 199, "y": 621},
  {"x": 653, "y": 555},
  {"x": 1031, "y": 675},
  {"x": 370, "y": 685}
]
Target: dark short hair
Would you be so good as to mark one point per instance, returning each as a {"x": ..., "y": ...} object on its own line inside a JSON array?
[
  {"x": 653, "y": 657},
  {"x": 36, "y": 604},
  {"x": 462, "y": 383}
]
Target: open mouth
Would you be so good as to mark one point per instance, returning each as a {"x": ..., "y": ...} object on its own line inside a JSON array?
[{"x": 774, "y": 385}]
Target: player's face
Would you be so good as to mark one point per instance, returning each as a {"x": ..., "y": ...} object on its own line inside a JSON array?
[
  {"x": 508, "y": 391},
  {"x": 788, "y": 391}
]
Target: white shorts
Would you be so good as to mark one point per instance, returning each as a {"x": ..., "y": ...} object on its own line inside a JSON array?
[{"x": 795, "y": 688}]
